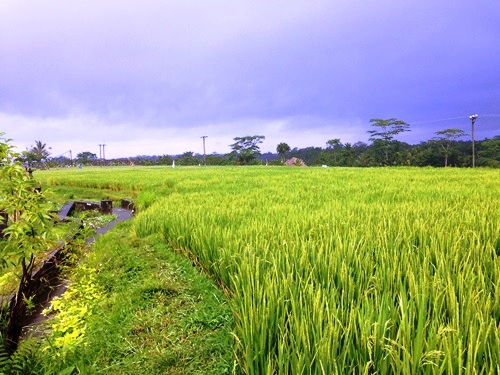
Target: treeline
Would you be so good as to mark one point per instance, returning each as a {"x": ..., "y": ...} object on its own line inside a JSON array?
[
  {"x": 384, "y": 150},
  {"x": 430, "y": 153},
  {"x": 359, "y": 154}
]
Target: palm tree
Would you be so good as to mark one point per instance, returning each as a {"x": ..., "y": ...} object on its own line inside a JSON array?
[
  {"x": 282, "y": 149},
  {"x": 39, "y": 152}
]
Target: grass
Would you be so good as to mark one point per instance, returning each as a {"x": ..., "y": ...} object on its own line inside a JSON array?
[{"x": 135, "y": 307}]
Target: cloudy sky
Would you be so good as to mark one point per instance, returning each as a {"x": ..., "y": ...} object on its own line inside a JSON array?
[{"x": 151, "y": 77}]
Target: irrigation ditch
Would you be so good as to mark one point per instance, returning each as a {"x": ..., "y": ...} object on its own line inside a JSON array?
[{"x": 47, "y": 280}]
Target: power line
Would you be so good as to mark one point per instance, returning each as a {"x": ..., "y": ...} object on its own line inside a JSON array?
[
  {"x": 464, "y": 117},
  {"x": 439, "y": 120}
]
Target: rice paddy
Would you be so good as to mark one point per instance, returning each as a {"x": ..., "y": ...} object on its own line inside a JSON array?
[{"x": 332, "y": 271}]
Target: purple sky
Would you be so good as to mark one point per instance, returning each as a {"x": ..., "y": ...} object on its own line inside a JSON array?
[{"x": 152, "y": 76}]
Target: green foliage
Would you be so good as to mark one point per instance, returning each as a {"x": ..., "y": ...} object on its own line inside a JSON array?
[
  {"x": 282, "y": 149},
  {"x": 246, "y": 149},
  {"x": 445, "y": 138},
  {"x": 384, "y": 133},
  {"x": 22, "y": 362},
  {"x": 145, "y": 199},
  {"x": 136, "y": 307},
  {"x": 29, "y": 221},
  {"x": 37, "y": 155},
  {"x": 489, "y": 152},
  {"x": 28, "y": 234},
  {"x": 187, "y": 158},
  {"x": 335, "y": 145},
  {"x": 86, "y": 158},
  {"x": 72, "y": 310}
]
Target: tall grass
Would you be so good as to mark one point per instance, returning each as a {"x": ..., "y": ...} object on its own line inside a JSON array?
[{"x": 345, "y": 270}]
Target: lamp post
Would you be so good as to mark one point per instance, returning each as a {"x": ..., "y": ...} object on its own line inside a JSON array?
[
  {"x": 204, "y": 156},
  {"x": 473, "y": 120}
]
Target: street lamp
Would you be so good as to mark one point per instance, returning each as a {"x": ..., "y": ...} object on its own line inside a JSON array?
[{"x": 473, "y": 120}]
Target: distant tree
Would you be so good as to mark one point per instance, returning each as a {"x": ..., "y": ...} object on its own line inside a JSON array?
[
  {"x": 246, "y": 149},
  {"x": 86, "y": 157},
  {"x": 334, "y": 144},
  {"x": 215, "y": 159},
  {"x": 385, "y": 132},
  {"x": 27, "y": 157},
  {"x": 426, "y": 153},
  {"x": 348, "y": 155},
  {"x": 402, "y": 154},
  {"x": 40, "y": 151},
  {"x": 310, "y": 155},
  {"x": 187, "y": 158},
  {"x": 282, "y": 149},
  {"x": 445, "y": 138},
  {"x": 165, "y": 160},
  {"x": 59, "y": 161},
  {"x": 36, "y": 155},
  {"x": 489, "y": 152}
]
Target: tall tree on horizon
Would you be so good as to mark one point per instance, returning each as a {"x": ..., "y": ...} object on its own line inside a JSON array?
[
  {"x": 445, "y": 138},
  {"x": 246, "y": 149},
  {"x": 334, "y": 144},
  {"x": 385, "y": 131}
]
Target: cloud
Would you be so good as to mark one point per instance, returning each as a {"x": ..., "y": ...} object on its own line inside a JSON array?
[
  {"x": 82, "y": 132},
  {"x": 95, "y": 71}
]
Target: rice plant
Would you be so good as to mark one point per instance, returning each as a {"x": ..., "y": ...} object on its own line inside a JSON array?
[{"x": 386, "y": 270}]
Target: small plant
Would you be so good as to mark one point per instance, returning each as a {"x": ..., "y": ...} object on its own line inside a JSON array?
[
  {"x": 145, "y": 199},
  {"x": 28, "y": 234},
  {"x": 71, "y": 312}
]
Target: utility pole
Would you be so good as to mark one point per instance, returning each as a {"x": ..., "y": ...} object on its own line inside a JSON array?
[
  {"x": 473, "y": 120},
  {"x": 204, "y": 155},
  {"x": 103, "y": 154},
  {"x": 101, "y": 149}
]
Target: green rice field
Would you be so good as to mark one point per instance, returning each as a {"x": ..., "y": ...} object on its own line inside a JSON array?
[{"x": 336, "y": 270}]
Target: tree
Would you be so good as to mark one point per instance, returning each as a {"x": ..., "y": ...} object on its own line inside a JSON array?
[
  {"x": 385, "y": 131},
  {"x": 187, "y": 158},
  {"x": 334, "y": 144},
  {"x": 86, "y": 157},
  {"x": 348, "y": 155},
  {"x": 246, "y": 149},
  {"x": 37, "y": 153},
  {"x": 282, "y": 149},
  {"x": 28, "y": 233},
  {"x": 165, "y": 160},
  {"x": 445, "y": 138},
  {"x": 489, "y": 152}
]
